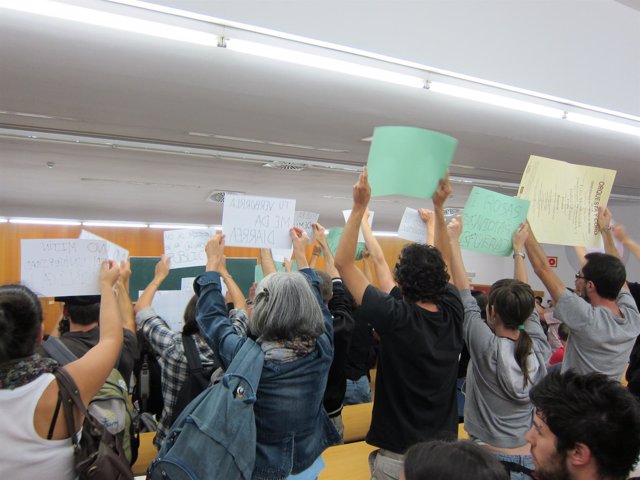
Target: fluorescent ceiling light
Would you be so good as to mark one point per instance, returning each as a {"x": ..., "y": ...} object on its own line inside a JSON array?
[
  {"x": 110, "y": 20},
  {"x": 177, "y": 226},
  {"x": 99, "y": 223},
  {"x": 324, "y": 63},
  {"x": 496, "y": 100},
  {"x": 385, "y": 234},
  {"x": 601, "y": 123},
  {"x": 44, "y": 221},
  {"x": 4, "y": 220}
]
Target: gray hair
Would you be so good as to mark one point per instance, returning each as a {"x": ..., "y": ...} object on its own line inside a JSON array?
[{"x": 285, "y": 308}]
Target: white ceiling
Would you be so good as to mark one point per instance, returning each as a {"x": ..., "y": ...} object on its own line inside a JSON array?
[{"x": 121, "y": 86}]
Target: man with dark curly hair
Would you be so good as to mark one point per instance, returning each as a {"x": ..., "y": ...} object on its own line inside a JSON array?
[
  {"x": 420, "y": 328},
  {"x": 585, "y": 427}
]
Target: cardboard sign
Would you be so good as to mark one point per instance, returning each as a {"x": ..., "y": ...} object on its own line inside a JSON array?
[{"x": 259, "y": 222}]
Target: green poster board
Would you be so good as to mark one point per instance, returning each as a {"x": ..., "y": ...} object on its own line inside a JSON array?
[{"x": 142, "y": 270}]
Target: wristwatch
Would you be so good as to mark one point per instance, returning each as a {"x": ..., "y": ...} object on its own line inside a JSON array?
[{"x": 518, "y": 254}]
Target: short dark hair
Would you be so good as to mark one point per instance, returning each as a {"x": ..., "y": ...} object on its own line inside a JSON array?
[
  {"x": 421, "y": 273},
  {"x": 20, "y": 322},
  {"x": 84, "y": 314},
  {"x": 607, "y": 273},
  {"x": 563, "y": 332},
  {"x": 440, "y": 460},
  {"x": 481, "y": 300},
  {"x": 594, "y": 410},
  {"x": 190, "y": 325}
]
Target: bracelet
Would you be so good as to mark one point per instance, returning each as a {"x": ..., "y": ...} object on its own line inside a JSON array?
[
  {"x": 518, "y": 254},
  {"x": 605, "y": 229}
]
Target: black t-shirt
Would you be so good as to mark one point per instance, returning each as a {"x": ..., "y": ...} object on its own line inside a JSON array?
[
  {"x": 415, "y": 397},
  {"x": 359, "y": 349},
  {"x": 81, "y": 342}
]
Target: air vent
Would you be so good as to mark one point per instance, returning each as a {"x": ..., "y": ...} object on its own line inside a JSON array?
[
  {"x": 218, "y": 197},
  {"x": 289, "y": 166}
]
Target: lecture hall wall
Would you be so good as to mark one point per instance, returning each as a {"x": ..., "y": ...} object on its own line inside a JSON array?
[{"x": 149, "y": 242}]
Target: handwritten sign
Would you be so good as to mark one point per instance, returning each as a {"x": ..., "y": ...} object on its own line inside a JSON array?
[
  {"x": 347, "y": 213},
  {"x": 333, "y": 239},
  {"x": 62, "y": 267},
  {"x": 408, "y": 161},
  {"x": 262, "y": 222},
  {"x": 170, "y": 305},
  {"x": 186, "y": 247},
  {"x": 114, "y": 251},
  {"x": 489, "y": 220},
  {"x": 412, "y": 227},
  {"x": 565, "y": 200},
  {"x": 304, "y": 220}
]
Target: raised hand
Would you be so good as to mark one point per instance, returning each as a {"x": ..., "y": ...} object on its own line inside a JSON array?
[
  {"x": 604, "y": 218},
  {"x": 109, "y": 273},
  {"x": 519, "y": 237},
  {"x": 455, "y": 228},
  {"x": 215, "y": 252},
  {"x": 162, "y": 267},
  {"x": 442, "y": 192},
  {"x": 362, "y": 190}
]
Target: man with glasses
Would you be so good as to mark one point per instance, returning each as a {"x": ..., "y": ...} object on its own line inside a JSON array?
[{"x": 603, "y": 318}]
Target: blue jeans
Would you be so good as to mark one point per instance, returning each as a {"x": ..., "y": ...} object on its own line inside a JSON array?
[
  {"x": 523, "y": 460},
  {"x": 358, "y": 391}
]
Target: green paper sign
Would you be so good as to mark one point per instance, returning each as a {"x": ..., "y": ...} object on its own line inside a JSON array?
[
  {"x": 259, "y": 274},
  {"x": 408, "y": 161},
  {"x": 489, "y": 220}
]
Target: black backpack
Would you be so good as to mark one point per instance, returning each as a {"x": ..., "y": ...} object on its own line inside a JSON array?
[
  {"x": 198, "y": 378},
  {"x": 147, "y": 392}
]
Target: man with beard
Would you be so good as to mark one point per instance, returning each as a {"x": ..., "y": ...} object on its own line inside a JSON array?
[
  {"x": 585, "y": 427},
  {"x": 604, "y": 320}
]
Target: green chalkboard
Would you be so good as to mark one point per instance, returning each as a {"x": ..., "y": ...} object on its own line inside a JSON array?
[{"x": 142, "y": 270}]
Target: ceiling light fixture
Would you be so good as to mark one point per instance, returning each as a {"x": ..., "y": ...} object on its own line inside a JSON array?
[
  {"x": 322, "y": 62},
  {"x": 602, "y": 123},
  {"x": 177, "y": 226},
  {"x": 110, "y": 20},
  {"x": 44, "y": 221},
  {"x": 496, "y": 100},
  {"x": 100, "y": 223}
]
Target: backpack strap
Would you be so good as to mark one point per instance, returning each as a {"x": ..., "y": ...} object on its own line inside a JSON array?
[
  {"x": 192, "y": 353},
  {"x": 517, "y": 468},
  {"x": 57, "y": 350}
]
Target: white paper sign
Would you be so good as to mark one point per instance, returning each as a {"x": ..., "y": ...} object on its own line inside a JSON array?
[
  {"x": 260, "y": 222},
  {"x": 304, "y": 220},
  {"x": 347, "y": 213},
  {"x": 187, "y": 284},
  {"x": 114, "y": 251},
  {"x": 412, "y": 227},
  {"x": 186, "y": 247},
  {"x": 170, "y": 304},
  {"x": 279, "y": 254},
  {"x": 62, "y": 267}
]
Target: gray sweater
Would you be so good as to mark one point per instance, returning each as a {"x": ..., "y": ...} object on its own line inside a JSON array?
[{"x": 497, "y": 408}]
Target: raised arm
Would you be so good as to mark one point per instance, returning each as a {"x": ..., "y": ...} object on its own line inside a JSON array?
[
  {"x": 320, "y": 235},
  {"x": 161, "y": 272},
  {"x": 604, "y": 224},
  {"x": 429, "y": 219},
  {"x": 366, "y": 268},
  {"x": 580, "y": 253},
  {"x": 380, "y": 265},
  {"x": 441, "y": 237},
  {"x": 518, "y": 240},
  {"x": 620, "y": 233},
  {"x": 541, "y": 267},
  {"x": 124, "y": 300},
  {"x": 315, "y": 253},
  {"x": 458, "y": 272},
  {"x": 92, "y": 369},
  {"x": 300, "y": 241},
  {"x": 237, "y": 297},
  {"x": 351, "y": 275},
  {"x": 266, "y": 261}
]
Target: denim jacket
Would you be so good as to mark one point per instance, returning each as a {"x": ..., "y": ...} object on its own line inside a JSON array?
[{"x": 293, "y": 428}]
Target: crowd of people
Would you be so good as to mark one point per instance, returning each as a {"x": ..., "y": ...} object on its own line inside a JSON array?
[{"x": 542, "y": 393}]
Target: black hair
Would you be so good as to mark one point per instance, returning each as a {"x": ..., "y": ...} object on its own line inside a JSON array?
[
  {"x": 83, "y": 314},
  {"x": 20, "y": 322},
  {"x": 607, "y": 273},
  {"x": 513, "y": 301},
  {"x": 190, "y": 325},
  {"x": 563, "y": 332},
  {"x": 595, "y": 411},
  {"x": 440, "y": 460},
  {"x": 421, "y": 273}
]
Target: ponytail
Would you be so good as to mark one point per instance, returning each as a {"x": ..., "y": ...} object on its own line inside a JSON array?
[{"x": 524, "y": 346}]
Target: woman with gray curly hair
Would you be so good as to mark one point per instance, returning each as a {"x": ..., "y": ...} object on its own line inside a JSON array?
[{"x": 295, "y": 332}]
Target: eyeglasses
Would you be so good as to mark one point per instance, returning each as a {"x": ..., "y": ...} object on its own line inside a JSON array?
[{"x": 579, "y": 276}]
